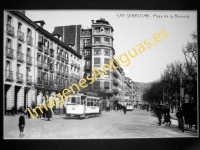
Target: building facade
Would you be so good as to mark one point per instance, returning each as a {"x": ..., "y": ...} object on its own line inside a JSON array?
[{"x": 35, "y": 62}]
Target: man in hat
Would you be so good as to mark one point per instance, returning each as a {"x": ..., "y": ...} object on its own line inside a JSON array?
[{"x": 21, "y": 124}]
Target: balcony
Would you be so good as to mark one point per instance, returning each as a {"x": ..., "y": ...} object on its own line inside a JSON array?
[
  {"x": 87, "y": 67},
  {"x": 58, "y": 56},
  {"x": 10, "y": 29},
  {"x": 39, "y": 64},
  {"x": 20, "y": 56},
  {"x": 66, "y": 61},
  {"x": 115, "y": 74},
  {"x": 46, "y": 66},
  {"x": 40, "y": 46},
  {"x": 29, "y": 40},
  {"x": 115, "y": 82},
  {"x": 29, "y": 60},
  {"x": 19, "y": 77},
  {"x": 9, "y": 52},
  {"x": 102, "y": 33},
  {"x": 87, "y": 56},
  {"x": 51, "y": 52},
  {"x": 28, "y": 79},
  {"x": 8, "y": 74},
  {"x": 20, "y": 35},
  {"x": 46, "y": 50},
  {"x": 62, "y": 58},
  {"x": 87, "y": 45},
  {"x": 98, "y": 43}
]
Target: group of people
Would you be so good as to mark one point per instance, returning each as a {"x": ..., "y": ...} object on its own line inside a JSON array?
[
  {"x": 166, "y": 113},
  {"x": 122, "y": 106}
]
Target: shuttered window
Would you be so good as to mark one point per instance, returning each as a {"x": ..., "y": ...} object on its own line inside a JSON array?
[
  {"x": 96, "y": 61},
  {"x": 106, "y": 85}
]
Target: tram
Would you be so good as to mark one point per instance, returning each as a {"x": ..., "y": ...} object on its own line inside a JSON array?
[
  {"x": 82, "y": 105},
  {"x": 129, "y": 106}
]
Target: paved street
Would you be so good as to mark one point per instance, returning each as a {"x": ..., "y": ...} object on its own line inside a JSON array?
[{"x": 135, "y": 124}]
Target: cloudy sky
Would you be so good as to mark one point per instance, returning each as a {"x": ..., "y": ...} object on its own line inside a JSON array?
[{"x": 129, "y": 31}]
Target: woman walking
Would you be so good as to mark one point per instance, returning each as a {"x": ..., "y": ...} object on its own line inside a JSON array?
[{"x": 21, "y": 124}]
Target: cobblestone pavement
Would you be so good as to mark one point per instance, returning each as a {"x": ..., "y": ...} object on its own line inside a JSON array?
[{"x": 135, "y": 124}]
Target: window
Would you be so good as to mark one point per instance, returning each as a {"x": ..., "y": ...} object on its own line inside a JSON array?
[
  {"x": 51, "y": 45},
  {"x": 107, "y": 40},
  {"x": 88, "y": 53},
  {"x": 97, "y": 51},
  {"x": 8, "y": 65},
  {"x": 87, "y": 63},
  {"x": 19, "y": 26},
  {"x": 58, "y": 50},
  {"x": 107, "y": 52},
  {"x": 39, "y": 74},
  {"x": 19, "y": 48},
  {"x": 107, "y": 30},
  {"x": 9, "y": 20},
  {"x": 106, "y": 61},
  {"x": 97, "y": 40},
  {"x": 106, "y": 85},
  {"x": 29, "y": 32},
  {"x": 96, "y": 85},
  {"x": 78, "y": 100},
  {"x": 9, "y": 43},
  {"x": 96, "y": 61},
  {"x": 107, "y": 74},
  {"x": 97, "y": 30},
  {"x": 40, "y": 38},
  {"x": 39, "y": 57},
  {"x": 73, "y": 100},
  {"x": 28, "y": 52}
]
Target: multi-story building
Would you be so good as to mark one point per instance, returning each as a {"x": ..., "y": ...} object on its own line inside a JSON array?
[
  {"x": 35, "y": 61},
  {"x": 96, "y": 45}
]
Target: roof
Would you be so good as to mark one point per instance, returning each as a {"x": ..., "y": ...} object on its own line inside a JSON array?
[{"x": 45, "y": 32}]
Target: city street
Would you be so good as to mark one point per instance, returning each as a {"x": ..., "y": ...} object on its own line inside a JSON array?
[{"x": 135, "y": 124}]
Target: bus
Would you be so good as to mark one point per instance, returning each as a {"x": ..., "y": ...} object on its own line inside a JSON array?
[
  {"x": 129, "y": 106},
  {"x": 82, "y": 105}
]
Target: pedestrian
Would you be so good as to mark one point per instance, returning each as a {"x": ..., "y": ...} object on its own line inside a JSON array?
[
  {"x": 13, "y": 111},
  {"x": 21, "y": 124},
  {"x": 167, "y": 120},
  {"x": 125, "y": 105},
  {"x": 159, "y": 115},
  {"x": 107, "y": 105}
]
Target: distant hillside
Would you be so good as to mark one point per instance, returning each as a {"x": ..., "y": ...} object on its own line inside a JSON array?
[{"x": 143, "y": 86}]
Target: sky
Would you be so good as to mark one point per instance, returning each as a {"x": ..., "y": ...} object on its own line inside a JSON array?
[{"x": 129, "y": 31}]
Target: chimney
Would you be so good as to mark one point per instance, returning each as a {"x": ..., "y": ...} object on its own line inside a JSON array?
[{"x": 41, "y": 22}]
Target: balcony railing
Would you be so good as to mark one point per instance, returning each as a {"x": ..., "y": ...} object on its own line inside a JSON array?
[
  {"x": 115, "y": 74},
  {"x": 87, "y": 66},
  {"x": 20, "y": 56},
  {"x": 29, "y": 79},
  {"x": 20, "y": 35},
  {"x": 46, "y": 50},
  {"x": 39, "y": 64},
  {"x": 40, "y": 46},
  {"x": 10, "y": 29},
  {"x": 88, "y": 56},
  {"x": 9, "y": 74},
  {"x": 19, "y": 77},
  {"x": 102, "y": 33},
  {"x": 29, "y": 40},
  {"x": 29, "y": 60},
  {"x": 87, "y": 44},
  {"x": 9, "y": 52},
  {"x": 103, "y": 43},
  {"x": 115, "y": 82}
]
